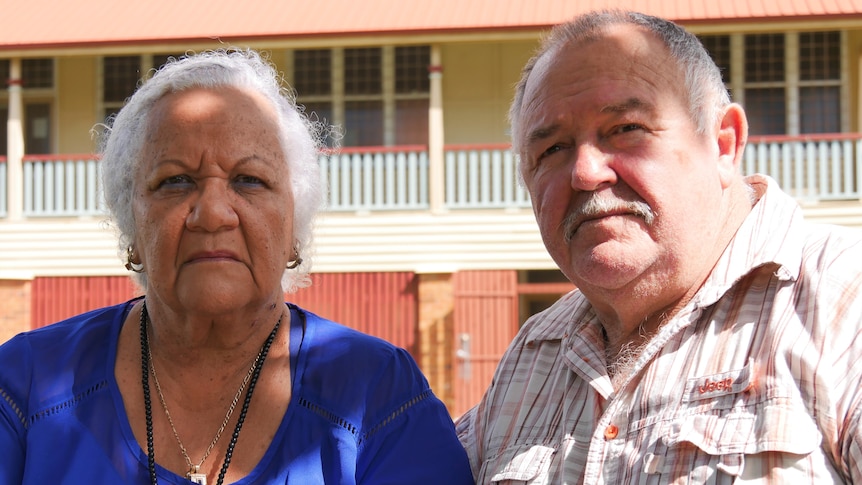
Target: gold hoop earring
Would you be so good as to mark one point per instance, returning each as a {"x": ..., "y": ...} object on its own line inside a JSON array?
[
  {"x": 130, "y": 264},
  {"x": 296, "y": 262}
]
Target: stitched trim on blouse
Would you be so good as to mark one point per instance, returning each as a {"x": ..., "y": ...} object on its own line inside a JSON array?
[
  {"x": 66, "y": 404},
  {"x": 401, "y": 410},
  {"x": 14, "y": 406},
  {"x": 329, "y": 416}
]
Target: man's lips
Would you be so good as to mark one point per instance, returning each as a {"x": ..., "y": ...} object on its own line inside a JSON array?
[
  {"x": 595, "y": 217},
  {"x": 596, "y": 209},
  {"x": 578, "y": 222}
]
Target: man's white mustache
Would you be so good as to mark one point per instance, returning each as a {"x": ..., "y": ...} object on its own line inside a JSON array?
[{"x": 596, "y": 207}]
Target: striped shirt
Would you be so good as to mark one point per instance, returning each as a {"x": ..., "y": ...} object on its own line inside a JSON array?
[{"x": 756, "y": 380}]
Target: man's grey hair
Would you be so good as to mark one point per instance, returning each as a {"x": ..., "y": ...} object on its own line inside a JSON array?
[{"x": 707, "y": 94}]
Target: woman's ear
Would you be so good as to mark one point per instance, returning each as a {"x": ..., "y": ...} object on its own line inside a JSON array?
[{"x": 732, "y": 137}]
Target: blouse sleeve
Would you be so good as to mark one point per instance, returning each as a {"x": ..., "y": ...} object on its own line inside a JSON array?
[
  {"x": 13, "y": 374},
  {"x": 415, "y": 442}
]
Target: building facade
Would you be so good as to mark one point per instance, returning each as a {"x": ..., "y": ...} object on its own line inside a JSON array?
[{"x": 427, "y": 239}]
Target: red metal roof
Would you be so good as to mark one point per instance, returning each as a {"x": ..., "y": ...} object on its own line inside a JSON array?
[{"x": 51, "y": 23}]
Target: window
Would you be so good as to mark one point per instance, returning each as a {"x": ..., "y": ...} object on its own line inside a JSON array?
[
  {"x": 764, "y": 83},
  {"x": 4, "y": 142},
  {"x": 718, "y": 47},
  {"x": 411, "y": 69},
  {"x": 312, "y": 75},
  {"x": 774, "y": 75},
  {"x": 37, "y": 73},
  {"x": 377, "y": 95},
  {"x": 363, "y": 88},
  {"x": 412, "y": 88},
  {"x": 119, "y": 80},
  {"x": 121, "y": 76},
  {"x": 363, "y": 71},
  {"x": 820, "y": 82},
  {"x": 37, "y": 84},
  {"x": 4, "y": 110}
]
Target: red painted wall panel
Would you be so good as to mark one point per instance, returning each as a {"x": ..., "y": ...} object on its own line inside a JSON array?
[
  {"x": 380, "y": 304},
  {"x": 57, "y": 298}
]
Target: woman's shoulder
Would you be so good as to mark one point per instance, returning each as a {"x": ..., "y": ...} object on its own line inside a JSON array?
[
  {"x": 82, "y": 342},
  {"x": 67, "y": 334},
  {"x": 353, "y": 364},
  {"x": 343, "y": 344}
]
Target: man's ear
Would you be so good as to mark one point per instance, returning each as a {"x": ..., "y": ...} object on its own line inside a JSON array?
[{"x": 732, "y": 137}]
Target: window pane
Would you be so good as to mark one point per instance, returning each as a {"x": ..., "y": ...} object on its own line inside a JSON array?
[
  {"x": 38, "y": 73},
  {"x": 37, "y": 128},
  {"x": 120, "y": 77},
  {"x": 321, "y": 111},
  {"x": 411, "y": 122},
  {"x": 764, "y": 57},
  {"x": 766, "y": 111},
  {"x": 820, "y": 109},
  {"x": 160, "y": 60},
  {"x": 362, "y": 71},
  {"x": 718, "y": 47},
  {"x": 819, "y": 56},
  {"x": 4, "y": 147},
  {"x": 363, "y": 123},
  {"x": 108, "y": 116},
  {"x": 4, "y": 72},
  {"x": 411, "y": 69},
  {"x": 312, "y": 72}
]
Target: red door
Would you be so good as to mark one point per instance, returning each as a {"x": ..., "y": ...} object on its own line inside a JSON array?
[{"x": 485, "y": 321}]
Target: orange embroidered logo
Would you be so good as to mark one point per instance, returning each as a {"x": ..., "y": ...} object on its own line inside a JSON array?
[
  {"x": 713, "y": 386},
  {"x": 719, "y": 385}
]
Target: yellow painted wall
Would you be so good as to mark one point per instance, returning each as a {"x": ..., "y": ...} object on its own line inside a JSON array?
[
  {"x": 478, "y": 84},
  {"x": 76, "y": 103}
]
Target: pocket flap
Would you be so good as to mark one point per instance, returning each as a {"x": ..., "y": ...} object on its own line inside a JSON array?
[
  {"x": 522, "y": 463},
  {"x": 767, "y": 427}
]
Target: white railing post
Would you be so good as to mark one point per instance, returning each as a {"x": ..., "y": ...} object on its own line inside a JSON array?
[
  {"x": 14, "y": 145},
  {"x": 436, "y": 153}
]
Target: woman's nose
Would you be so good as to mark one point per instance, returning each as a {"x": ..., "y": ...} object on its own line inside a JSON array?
[{"x": 212, "y": 210}]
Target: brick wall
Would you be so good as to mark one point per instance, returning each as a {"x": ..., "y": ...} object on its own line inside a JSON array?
[{"x": 436, "y": 326}]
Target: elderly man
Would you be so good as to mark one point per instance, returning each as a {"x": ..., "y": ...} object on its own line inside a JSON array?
[{"x": 712, "y": 337}]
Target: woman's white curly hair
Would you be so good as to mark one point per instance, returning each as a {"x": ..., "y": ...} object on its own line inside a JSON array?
[{"x": 122, "y": 141}]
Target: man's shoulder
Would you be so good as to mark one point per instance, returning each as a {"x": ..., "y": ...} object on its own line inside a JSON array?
[{"x": 553, "y": 322}]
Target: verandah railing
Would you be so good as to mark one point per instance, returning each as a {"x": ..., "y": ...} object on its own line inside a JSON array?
[{"x": 809, "y": 167}]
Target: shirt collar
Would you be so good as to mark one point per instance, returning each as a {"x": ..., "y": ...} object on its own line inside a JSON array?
[{"x": 769, "y": 236}]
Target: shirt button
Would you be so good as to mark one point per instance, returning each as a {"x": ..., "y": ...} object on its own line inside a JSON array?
[{"x": 611, "y": 432}]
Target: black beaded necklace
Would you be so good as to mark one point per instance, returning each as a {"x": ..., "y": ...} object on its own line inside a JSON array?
[{"x": 145, "y": 381}]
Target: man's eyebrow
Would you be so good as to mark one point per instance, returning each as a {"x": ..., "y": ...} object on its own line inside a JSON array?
[
  {"x": 631, "y": 104},
  {"x": 542, "y": 133}
]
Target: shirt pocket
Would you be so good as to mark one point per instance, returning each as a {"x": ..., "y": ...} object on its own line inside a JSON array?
[
  {"x": 527, "y": 464},
  {"x": 712, "y": 448}
]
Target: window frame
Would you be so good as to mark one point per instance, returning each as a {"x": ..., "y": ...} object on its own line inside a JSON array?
[
  {"x": 791, "y": 82},
  {"x": 388, "y": 95}
]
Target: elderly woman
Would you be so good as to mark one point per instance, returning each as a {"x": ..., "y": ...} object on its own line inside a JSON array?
[{"x": 210, "y": 176}]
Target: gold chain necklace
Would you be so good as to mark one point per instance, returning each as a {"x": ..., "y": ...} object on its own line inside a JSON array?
[{"x": 194, "y": 474}]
